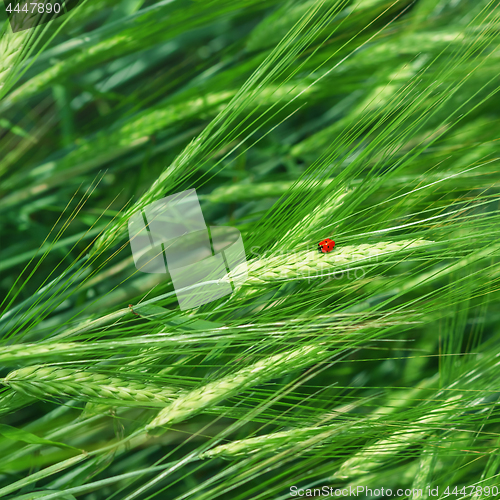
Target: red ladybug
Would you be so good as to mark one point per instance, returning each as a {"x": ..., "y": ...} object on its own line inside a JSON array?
[{"x": 326, "y": 246}]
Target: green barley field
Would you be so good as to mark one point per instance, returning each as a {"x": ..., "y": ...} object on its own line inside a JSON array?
[{"x": 369, "y": 371}]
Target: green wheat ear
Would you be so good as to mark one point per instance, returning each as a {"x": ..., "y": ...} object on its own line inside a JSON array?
[
  {"x": 46, "y": 382},
  {"x": 12, "y": 47},
  {"x": 15, "y": 47},
  {"x": 192, "y": 402},
  {"x": 313, "y": 264}
]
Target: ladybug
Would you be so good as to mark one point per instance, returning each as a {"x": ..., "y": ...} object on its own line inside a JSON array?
[{"x": 326, "y": 246}]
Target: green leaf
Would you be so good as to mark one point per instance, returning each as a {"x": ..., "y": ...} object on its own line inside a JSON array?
[
  {"x": 157, "y": 313},
  {"x": 43, "y": 493},
  {"x": 15, "y": 434},
  {"x": 14, "y": 128},
  {"x": 151, "y": 312}
]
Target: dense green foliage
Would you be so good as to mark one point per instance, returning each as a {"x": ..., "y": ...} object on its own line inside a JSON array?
[{"x": 372, "y": 122}]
